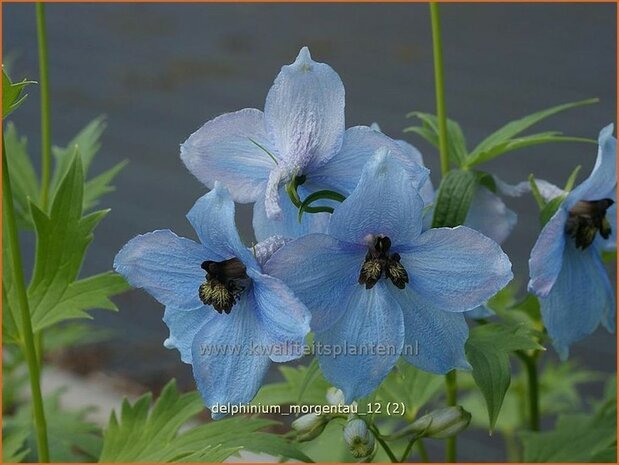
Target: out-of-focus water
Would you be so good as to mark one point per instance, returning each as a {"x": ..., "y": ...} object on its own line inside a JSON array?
[{"x": 159, "y": 71}]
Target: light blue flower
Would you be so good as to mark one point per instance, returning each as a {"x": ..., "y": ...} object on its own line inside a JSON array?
[
  {"x": 227, "y": 318},
  {"x": 566, "y": 271},
  {"x": 379, "y": 287},
  {"x": 300, "y": 133}
]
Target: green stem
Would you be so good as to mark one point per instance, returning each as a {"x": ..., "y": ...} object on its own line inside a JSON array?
[
  {"x": 452, "y": 400},
  {"x": 383, "y": 444},
  {"x": 20, "y": 289},
  {"x": 407, "y": 451},
  {"x": 439, "y": 85},
  {"x": 423, "y": 453},
  {"x": 46, "y": 143},
  {"x": 530, "y": 364}
]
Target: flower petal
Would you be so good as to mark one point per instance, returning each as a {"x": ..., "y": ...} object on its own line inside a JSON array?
[
  {"x": 227, "y": 149},
  {"x": 322, "y": 272},
  {"x": 547, "y": 255},
  {"x": 166, "y": 266},
  {"x": 226, "y": 363},
  {"x": 304, "y": 112},
  {"x": 212, "y": 217},
  {"x": 183, "y": 326},
  {"x": 343, "y": 171},
  {"x": 384, "y": 202},
  {"x": 369, "y": 336},
  {"x": 287, "y": 225},
  {"x": 285, "y": 319},
  {"x": 434, "y": 338},
  {"x": 603, "y": 178},
  {"x": 489, "y": 215},
  {"x": 579, "y": 300},
  {"x": 456, "y": 268},
  {"x": 479, "y": 313}
]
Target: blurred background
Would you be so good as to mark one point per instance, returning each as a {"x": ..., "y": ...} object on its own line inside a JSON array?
[{"x": 160, "y": 71}]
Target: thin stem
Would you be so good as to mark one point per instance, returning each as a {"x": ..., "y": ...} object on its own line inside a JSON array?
[
  {"x": 451, "y": 382},
  {"x": 530, "y": 364},
  {"x": 20, "y": 288},
  {"x": 423, "y": 453},
  {"x": 46, "y": 143},
  {"x": 439, "y": 85},
  {"x": 383, "y": 444},
  {"x": 407, "y": 451}
]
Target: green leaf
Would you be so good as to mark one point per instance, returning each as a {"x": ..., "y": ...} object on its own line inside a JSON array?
[
  {"x": 296, "y": 380},
  {"x": 487, "y": 350},
  {"x": 504, "y": 139},
  {"x": 454, "y": 198},
  {"x": 550, "y": 209},
  {"x": 101, "y": 185},
  {"x": 12, "y": 96},
  {"x": 14, "y": 449},
  {"x": 62, "y": 240},
  {"x": 87, "y": 143},
  {"x": 23, "y": 177},
  {"x": 145, "y": 434},
  {"x": 71, "y": 438},
  {"x": 410, "y": 385},
  {"x": 456, "y": 146}
]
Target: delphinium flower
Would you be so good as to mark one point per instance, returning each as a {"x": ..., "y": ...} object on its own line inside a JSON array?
[
  {"x": 299, "y": 136},
  {"x": 227, "y": 318},
  {"x": 377, "y": 283},
  {"x": 566, "y": 270}
]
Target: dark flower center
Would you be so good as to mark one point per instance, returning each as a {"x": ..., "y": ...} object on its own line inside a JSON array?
[
  {"x": 225, "y": 281},
  {"x": 379, "y": 260},
  {"x": 586, "y": 219}
]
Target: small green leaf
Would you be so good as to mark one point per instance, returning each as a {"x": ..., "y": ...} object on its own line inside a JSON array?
[
  {"x": 296, "y": 379},
  {"x": 456, "y": 146},
  {"x": 454, "y": 198},
  {"x": 550, "y": 209},
  {"x": 410, "y": 385},
  {"x": 101, "y": 185},
  {"x": 312, "y": 370},
  {"x": 487, "y": 350},
  {"x": 12, "y": 96},
  {"x": 316, "y": 196},
  {"x": 23, "y": 177},
  {"x": 569, "y": 185},
  {"x": 504, "y": 139},
  {"x": 537, "y": 195},
  {"x": 14, "y": 449}
]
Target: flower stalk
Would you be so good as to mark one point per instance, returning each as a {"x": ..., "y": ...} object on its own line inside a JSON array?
[
  {"x": 530, "y": 364},
  {"x": 439, "y": 84},
  {"x": 46, "y": 143},
  {"x": 28, "y": 345},
  {"x": 452, "y": 400}
]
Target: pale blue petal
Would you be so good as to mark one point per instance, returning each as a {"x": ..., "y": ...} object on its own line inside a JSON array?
[
  {"x": 285, "y": 320},
  {"x": 265, "y": 249},
  {"x": 579, "y": 300},
  {"x": 227, "y": 358},
  {"x": 456, "y": 268},
  {"x": 342, "y": 172},
  {"x": 384, "y": 202},
  {"x": 212, "y": 217},
  {"x": 547, "y": 255},
  {"x": 322, "y": 272},
  {"x": 288, "y": 224},
  {"x": 222, "y": 150},
  {"x": 166, "y": 266},
  {"x": 489, "y": 215},
  {"x": 183, "y": 326},
  {"x": 369, "y": 336},
  {"x": 603, "y": 178},
  {"x": 304, "y": 112},
  {"x": 434, "y": 339}
]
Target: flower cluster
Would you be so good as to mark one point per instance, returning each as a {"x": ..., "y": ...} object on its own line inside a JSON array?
[{"x": 366, "y": 272}]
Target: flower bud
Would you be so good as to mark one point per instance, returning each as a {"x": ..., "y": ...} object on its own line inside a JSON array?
[
  {"x": 442, "y": 423},
  {"x": 335, "y": 396},
  {"x": 309, "y": 426},
  {"x": 359, "y": 438}
]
